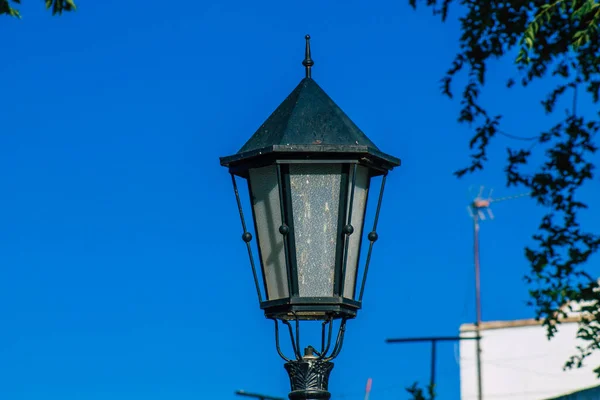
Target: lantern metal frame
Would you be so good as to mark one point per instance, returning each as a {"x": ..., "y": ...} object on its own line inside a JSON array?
[
  {"x": 295, "y": 307},
  {"x": 326, "y": 335}
]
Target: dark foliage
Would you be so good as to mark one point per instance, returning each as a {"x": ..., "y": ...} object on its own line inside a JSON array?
[
  {"x": 558, "y": 39},
  {"x": 57, "y": 6}
]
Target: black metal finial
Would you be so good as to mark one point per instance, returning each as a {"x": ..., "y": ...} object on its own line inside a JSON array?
[{"x": 308, "y": 62}]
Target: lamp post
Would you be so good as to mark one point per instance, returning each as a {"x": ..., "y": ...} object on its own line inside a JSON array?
[{"x": 309, "y": 169}]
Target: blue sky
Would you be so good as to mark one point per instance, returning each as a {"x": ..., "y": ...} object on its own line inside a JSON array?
[{"x": 123, "y": 275}]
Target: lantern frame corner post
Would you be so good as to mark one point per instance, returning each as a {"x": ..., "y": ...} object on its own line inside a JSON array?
[
  {"x": 247, "y": 237},
  {"x": 373, "y": 236}
]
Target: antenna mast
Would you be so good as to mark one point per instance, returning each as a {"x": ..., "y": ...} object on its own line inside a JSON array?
[{"x": 477, "y": 210}]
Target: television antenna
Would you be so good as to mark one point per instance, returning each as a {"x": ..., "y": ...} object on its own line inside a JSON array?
[
  {"x": 478, "y": 208},
  {"x": 481, "y": 205}
]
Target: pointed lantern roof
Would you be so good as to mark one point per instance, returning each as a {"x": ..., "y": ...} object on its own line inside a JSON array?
[{"x": 310, "y": 124}]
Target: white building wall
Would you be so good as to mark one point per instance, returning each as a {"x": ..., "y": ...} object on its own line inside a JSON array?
[{"x": 519, "y": 363}]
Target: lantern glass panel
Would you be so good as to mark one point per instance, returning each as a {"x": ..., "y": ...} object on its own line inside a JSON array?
[
  {"x": 267, "y": 218},
  {"x": 361, "y": 187},
  {"x": 315, "y": 193}
]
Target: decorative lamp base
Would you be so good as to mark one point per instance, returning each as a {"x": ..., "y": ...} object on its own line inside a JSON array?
[{"x": 309, "y": 377}]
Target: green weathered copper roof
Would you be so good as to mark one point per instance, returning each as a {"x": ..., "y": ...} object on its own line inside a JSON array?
[
  {"x": 307, "y": 116},
  {"x": 308, "y": 121}
]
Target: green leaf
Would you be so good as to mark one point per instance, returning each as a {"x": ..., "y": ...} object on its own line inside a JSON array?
[
  {"x": 574, "y": 5},
  {"x": 529, "y": 42}
]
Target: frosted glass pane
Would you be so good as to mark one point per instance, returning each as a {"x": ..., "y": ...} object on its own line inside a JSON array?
[
  {"x": 361, "y": 190},
  {"x": 315, "y": 200},
  {"x": 267, "y": 214}
]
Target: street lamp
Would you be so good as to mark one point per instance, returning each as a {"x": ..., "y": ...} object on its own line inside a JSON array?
[{"x": 308, "y": 169}]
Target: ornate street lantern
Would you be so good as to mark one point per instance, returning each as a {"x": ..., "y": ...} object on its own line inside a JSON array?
[{"x": 309, "y": 170}]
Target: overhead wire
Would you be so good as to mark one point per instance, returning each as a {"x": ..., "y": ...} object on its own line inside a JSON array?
[{"x": 515, "y": 137}]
